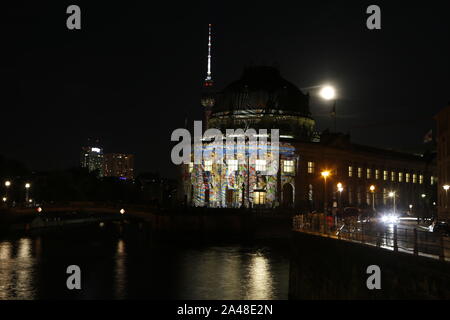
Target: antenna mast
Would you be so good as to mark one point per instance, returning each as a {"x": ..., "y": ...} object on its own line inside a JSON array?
[{"x": 208, "y": 80}]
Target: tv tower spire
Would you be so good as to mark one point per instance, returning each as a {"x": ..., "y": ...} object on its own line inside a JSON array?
[{"x": 208, "y": 80}]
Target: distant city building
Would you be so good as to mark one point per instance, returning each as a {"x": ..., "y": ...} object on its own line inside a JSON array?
[
  {"x": 119, "y": 165},
  {"x": 443, "y": 161},
  {"x": 92, "y": 159}
]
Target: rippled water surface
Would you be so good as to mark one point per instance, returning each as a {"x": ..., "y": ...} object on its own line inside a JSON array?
[{"x": 120, "y": 265}]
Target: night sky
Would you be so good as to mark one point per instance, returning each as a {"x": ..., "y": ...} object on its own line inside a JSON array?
[{"x": 134, "y": 71}]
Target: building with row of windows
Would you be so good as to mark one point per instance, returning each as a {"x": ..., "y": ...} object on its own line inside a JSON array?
[
  {"x": 443, "y": 161},
  {"x": 117, "y": 165},
  {"x": 91, "y": 158}
]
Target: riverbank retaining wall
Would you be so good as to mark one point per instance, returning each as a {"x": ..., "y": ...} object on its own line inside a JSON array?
[{"x": 325, "y": 268}]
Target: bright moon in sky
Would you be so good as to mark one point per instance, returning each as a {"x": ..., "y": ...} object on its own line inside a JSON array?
[{"x": 327, "y": 93}]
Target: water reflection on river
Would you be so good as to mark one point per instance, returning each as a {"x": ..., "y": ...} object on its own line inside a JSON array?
[{"x": 128, "y": 265}]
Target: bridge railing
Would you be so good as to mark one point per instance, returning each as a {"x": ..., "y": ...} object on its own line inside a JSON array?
[{"x": 374, "y": 233}]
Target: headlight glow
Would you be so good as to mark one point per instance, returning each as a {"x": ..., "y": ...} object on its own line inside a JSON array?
[{"x": 389, "y": 218}]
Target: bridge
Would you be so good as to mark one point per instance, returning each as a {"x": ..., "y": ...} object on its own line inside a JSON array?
[
  {"x": 176, "y": 222},
  {"x": 23, "y": 218}
]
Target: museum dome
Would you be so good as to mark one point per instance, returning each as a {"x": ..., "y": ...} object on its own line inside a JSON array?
[
  {"x": 261, "y": 88},
  {"x": 261, "y": 98}
]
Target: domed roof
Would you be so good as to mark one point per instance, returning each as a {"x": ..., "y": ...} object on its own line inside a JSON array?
[{"x": 262, "y": 88}]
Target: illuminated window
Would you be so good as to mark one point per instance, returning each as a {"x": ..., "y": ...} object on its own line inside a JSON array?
[
  {"x": 414, "y": 178},
  {"x": 350, "y": 171},
  {"x": 208, "y": 165},
  {"x": 432, "y": 180},
  {"x": 377, "y": 174},
  {"x": 259, "y": 197},
  {"x": 359, "y": 172},
  {"x": 400, "y": 177},
  {"x": 310, "y": 167},
  {"x": 385, "y": 175},
  {"x": 392, "y": 176},
  {"x": 232, "y": 165},
  {"x": 421, "y": 179},
  {"x": 369, "y": 173},
  {"x": 191, "y": 166},
  {"x": 260, "y": 165},
  {"x": 407, "y": 178},
  {"x": 288, "y": 166}
]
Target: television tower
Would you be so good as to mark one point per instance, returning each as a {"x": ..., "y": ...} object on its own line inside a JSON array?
[{"x": 208, "y": 96}]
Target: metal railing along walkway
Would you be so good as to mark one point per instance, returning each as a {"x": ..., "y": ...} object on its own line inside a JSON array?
[{"x": 398, "y": 238}]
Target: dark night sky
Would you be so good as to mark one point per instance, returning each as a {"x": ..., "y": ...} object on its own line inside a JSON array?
[{"x": 134, "y": 71}]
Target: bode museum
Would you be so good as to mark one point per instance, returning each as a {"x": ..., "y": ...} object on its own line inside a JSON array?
[
  {"x": 312, "y": 169},
  {"x": 315, "y": 169}
]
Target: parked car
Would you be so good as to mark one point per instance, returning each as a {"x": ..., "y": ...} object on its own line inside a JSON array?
[{"x": 441, "y": 227}]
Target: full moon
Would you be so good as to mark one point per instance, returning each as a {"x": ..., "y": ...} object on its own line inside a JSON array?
[{"x": 327, "y": 93}]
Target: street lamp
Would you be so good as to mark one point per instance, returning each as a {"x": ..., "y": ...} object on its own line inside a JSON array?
[
  {"x": 325, "y": 175},
  {"x": 372, "y": 189},
  {"x": 446, "y": 187},
  {"x": 340, "y": 188},
  {"x": 7, "y": 185},
  {"x": 27, "y": 188},
  {"x": 392, "y": 195}
]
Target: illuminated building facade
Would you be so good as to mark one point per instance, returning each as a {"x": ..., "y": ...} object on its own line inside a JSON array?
[
  {"x": 262, "y": 99},
  {"x": 119, "y": 165},
  {"x": 92, "y": 159},
  {"x": 443, "y": 161}
]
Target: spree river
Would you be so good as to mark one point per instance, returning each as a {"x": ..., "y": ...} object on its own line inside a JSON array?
[{"x": 123, "y": 263}]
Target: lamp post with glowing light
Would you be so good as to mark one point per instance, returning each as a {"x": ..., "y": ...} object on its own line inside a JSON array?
[
  {"x": 424, "y": 205},
  {"x": 446, "y": 187},
  {"x": 392, "y": 195},
  {"x": 27, "y": 192},
  {"x": 340, "y": 188},
  {"x": 7, "y": 185},
  {"x": 325, "y": 175},
  {"x": 372, "y": 190}
]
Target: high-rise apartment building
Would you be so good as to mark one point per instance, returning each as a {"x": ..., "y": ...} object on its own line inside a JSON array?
[{"x": 92, "y": 159}]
